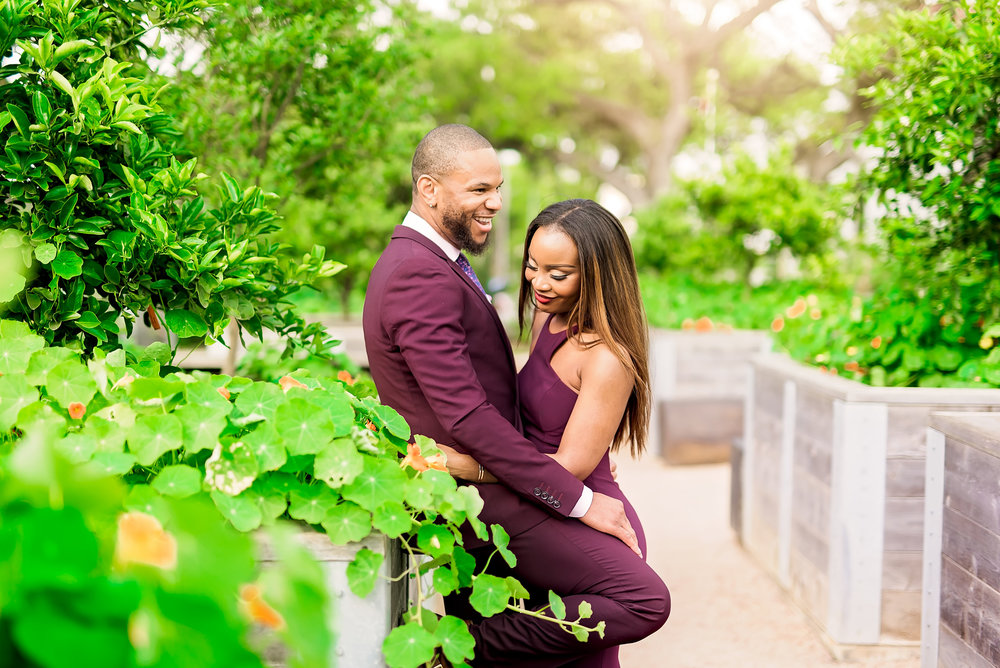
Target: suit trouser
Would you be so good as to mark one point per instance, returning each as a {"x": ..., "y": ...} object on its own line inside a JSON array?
[{"x": 579, "y": 564}]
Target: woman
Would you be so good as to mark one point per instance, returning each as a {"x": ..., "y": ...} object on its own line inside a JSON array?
[{"x": 584, "y": 390}]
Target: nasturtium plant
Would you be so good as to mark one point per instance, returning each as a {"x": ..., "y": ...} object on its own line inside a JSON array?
[
  {"x": 112, "y": 226},
  {"x": 304, "y": 449}
]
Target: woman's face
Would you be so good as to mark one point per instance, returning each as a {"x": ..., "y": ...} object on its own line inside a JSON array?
[{"x": 553, "y": 270}]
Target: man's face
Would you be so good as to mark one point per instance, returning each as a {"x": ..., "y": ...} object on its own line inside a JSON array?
[{"x": 469, "y": 199}]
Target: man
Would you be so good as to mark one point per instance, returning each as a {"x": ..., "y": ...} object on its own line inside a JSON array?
[{"x": 440, "y": 356}]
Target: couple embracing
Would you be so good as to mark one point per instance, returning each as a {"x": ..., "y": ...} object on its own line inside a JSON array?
[{"x": 536, "y": 443}]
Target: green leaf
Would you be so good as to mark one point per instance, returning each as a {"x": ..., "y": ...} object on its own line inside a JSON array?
[
  {"x": 63, "y": 84},
  {"x": 311, "y": 503},
  {"x": 445, "y": 580},
  {"x": 392, "y": 519},
  {"x": 185, "y": 324},
  {"x": 489, "y": 595},
  {"x": 154, "y": 435},
  {"x": 339, "y": 463},
  {"x": 337, "y": 407},
  {"x": 17, "y": 344},
  {"x": 76, "y": 448},
  {"x": 108, "y": 436},
  {"x": 267, "y": 447},
  {"x": 15, "y": 394},
  {"x": 178, "y": 481},
  {"x": 202, "y": 426},
  {"x": 347, "y": 522},
  {"x": 408, "y": 646},
  {"x": 585, "y": 611},
  {"x": 380, "y": 481},
  {"x": 56, "y": 546},
  {"x": 363, "y": 571},
  {"x": 114, "y": 463},
  {"x": 46, "y": 359},
  {"x": 501, "y": 539},
  {"x": 45, "y": 253},
  {"x": 304, "y": 430},
  {"x": 392, "y": 421},
  {"x": 260, "y": 399},
  {"x": 70, "y": 381},
  {"x": 231, "y": 468},
  {"x": 457, "y": 643},
  {"x": 20, "y": 120},
  {"x": 242, "y": 512},
  {"x": 67, "y": 264},
  {"x": 557, "y": 605},
  {"x": 435, "y": 539}
]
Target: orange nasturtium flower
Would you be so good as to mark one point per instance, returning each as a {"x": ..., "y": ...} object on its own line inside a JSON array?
[
  {"x": 77, "y": 410},
  {"x": 877, "y": 342},
  {"x": 345, "y": 376},
  {"x": 796, "y": 309},
  {"x": 287, "y": 383},
  {"x": 703, "y": 324},
  {"x": 142, "y": 540},
  {"x": 224, "y": 392},
  {"x": 688, "y": 324},
  {"x": 257, "y": 609},
  {"x": 852, "y": 366},
  {"x": 777, "y": 324},
  {"x": 418, "y": 462}
]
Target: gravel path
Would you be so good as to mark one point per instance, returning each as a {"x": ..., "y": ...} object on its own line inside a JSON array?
[{"x": 727, "y": 612}]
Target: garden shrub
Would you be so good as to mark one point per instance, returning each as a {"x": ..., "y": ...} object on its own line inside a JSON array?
[
  {"x": 304, "y": 449},
  {"x": 113, "y": 224}
]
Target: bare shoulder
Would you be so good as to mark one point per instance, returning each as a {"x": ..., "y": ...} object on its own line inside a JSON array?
[{"x": 600, "y": 362}]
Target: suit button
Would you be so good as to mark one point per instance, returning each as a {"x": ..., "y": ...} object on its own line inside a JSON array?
[
  {"x": 537, "y": 491},
  {"x": 556, "y": 504},
  {"x": 545, "y": 496}
]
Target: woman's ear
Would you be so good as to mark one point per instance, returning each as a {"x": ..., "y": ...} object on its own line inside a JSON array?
[{"x": 427, "y": 189}]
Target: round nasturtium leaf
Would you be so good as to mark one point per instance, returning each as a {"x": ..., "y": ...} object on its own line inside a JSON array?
[
  {"x": 490, "y": 595},
  {"x": 392, "y": 519},
  {"x": 362, "y": 572},
  {"x": 153, "y": 435},
  {"x": 408, "y": 645},
  {"x": 45, "y": 253},
  {"x": 242, "y": 512},
  {"x": 67, "y": 264},
  {"x": 456, "y": 641},
  {"x": 260, "y": 399},
  {"x": 17, "y": 344},
  {"x": 178, "y": 481},
  {"x": 379, "y": 482},
  {"x": 303, "y": 429},
  {"x": 347, "y": 522},
  {"x": 15, "y": 394},
  {"x": 267, "y": 447},
  {"x": 339, "y": 463},
  {"x": 311, "y": 503},
  {"x": 70, "y": 381}
]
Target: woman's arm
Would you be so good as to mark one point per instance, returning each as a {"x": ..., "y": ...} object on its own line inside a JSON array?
[{"x": 605, "y": 388}]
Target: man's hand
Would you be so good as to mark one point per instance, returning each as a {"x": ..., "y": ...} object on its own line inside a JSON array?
[
  {"x": 607, "y": 515},
  {"x": 464, "y": 466}
]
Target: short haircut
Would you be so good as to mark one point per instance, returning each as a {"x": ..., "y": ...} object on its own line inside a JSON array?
[{"x": 438, "y": 152}]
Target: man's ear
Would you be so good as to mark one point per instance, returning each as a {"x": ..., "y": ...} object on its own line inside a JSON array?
[{"x": 427, "y": 189}]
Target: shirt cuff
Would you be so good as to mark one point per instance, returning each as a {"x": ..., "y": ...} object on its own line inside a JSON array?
[{"x": 583, "y": 505}]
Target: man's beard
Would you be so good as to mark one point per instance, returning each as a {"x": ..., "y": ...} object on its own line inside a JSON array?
[{"x": 458, "y": 226}]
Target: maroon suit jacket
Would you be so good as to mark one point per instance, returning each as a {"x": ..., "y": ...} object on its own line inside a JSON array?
[{"x": 440, "y": 356}]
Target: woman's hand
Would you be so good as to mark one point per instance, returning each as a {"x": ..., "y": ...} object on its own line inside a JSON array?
[{"x": 464, "y": 467}]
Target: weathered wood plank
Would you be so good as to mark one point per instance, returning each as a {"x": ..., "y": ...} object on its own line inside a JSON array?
[
  {"x": 904, "y": 524},
  {"x": 972, "y": 547},
  {"x": 972, "y": 484},
  {"x": 971, "y": 610}
]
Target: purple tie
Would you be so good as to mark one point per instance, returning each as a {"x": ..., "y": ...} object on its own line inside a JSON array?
[{"x": 463, "y": 262}]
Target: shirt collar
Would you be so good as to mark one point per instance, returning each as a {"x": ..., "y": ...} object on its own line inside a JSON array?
[{"x": 418, "y": 224}]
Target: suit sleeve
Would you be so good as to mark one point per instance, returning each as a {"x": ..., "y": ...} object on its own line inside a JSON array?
[{"x": 435, "y": 347}]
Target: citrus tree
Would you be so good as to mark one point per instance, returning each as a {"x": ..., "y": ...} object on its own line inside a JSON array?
[{"x": 112, "y": 223}]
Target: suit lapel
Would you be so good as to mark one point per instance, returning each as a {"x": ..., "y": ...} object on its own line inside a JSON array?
[{"x": 402, "y": 231}]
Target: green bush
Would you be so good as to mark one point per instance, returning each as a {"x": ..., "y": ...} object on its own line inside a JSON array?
[
  {"x": 304, "y": 449},
  {"x": 725, "y": 228},
  {"x": 89, "y": 576},
  {"x": 113, "y": 224}
]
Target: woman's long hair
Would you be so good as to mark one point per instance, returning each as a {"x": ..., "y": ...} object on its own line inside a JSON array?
[{"x": 609, "y": 304}]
